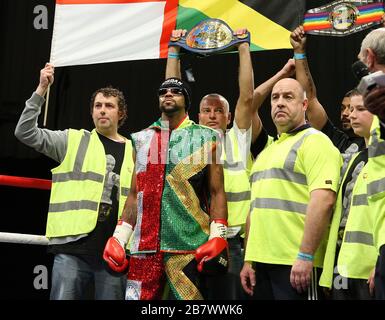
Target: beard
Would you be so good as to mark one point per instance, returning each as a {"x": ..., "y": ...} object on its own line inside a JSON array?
[{"x": 168, "y": 108}]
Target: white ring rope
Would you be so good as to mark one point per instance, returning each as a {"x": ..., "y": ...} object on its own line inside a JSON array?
[{"x": 23, "y": 238}]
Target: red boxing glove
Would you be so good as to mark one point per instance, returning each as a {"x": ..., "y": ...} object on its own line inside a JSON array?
[
  {"x": 212, "y": 256},
  {"x": 115, "y": 250}
]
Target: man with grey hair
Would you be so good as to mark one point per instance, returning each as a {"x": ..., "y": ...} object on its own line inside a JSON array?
[{"x": 372, "y": 53}]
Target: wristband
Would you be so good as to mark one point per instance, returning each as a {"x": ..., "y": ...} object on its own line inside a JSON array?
[
  {"x": 299, "y": 56},
  {"x": 305, "y": 256},
  {"x": 173, "y": 55},
  {"x": 123, "y": 232},
  {"x": 218, "y": 228}
]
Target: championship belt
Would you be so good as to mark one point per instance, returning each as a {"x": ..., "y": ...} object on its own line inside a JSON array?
[
  {"x": 209, "y": 36},
  {"x": 341, "y": 18}
]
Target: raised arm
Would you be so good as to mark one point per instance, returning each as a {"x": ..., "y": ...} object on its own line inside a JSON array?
[
  {"x": 51, "y": 143},
  {"x": 263, "y": 90},
  {"x": 243, "y": 108},
  {"x": 173, "y": 68},
  {"x": 315, "y": 111}
]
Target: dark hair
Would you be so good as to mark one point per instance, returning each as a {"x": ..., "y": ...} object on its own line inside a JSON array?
[
  {"x": 353, "y": 92},
  {"x": 112, "y": 92}
]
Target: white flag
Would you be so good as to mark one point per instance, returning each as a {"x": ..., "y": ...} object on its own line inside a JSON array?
[{"x": 96, "y": 31}]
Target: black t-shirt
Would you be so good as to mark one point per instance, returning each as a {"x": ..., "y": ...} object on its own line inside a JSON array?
[
  {"x": 93, "y": 244},
  {"x": 341, "y": 140}
]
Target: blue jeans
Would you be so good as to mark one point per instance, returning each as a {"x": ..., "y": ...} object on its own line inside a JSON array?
[{"x": 74, "y": 278}]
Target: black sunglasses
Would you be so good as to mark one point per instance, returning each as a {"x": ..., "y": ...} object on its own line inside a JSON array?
[{"x": 163, "y": 91}]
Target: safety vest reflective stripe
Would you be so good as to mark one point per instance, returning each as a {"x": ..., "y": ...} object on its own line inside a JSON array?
[
  {"x": 359, "y": 237},
  {"x": 238, "y": 196},
  {"x": 76, "y": 174},
  {"x": 271, "y": 203},
  {"x": 233, "y": 166},
  {"x": 229, "y": 162},
  {"x": 376, "y": 186},
  {"x": 287, "y": 172},
  {"x": 277, "y": 173},
  {"x": 73, "y": 205},
  {"x": 81, "y": 154},
  {"x": 379, "y": 150},
  {"x": 63, "y": 177},
  {"x": 376, "y": 147},
  {"x": 292, "y": 156},
  {"x": 360, "y": 200}
]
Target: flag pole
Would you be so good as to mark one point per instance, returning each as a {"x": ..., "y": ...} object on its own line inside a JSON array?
[{"x": 46, "y": 106}]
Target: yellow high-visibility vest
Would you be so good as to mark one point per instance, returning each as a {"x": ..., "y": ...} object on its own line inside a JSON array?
[
  {"x": 376, "y": 182},
  {"x": 283, "y": 176},
  {"x": 77, "y": 184},
  {"x": 236, "y": 170},
  {"x": 357, "y": 255}
]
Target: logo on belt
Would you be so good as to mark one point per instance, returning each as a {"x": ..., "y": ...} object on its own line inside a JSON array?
[{"x": 210, "y": 36}]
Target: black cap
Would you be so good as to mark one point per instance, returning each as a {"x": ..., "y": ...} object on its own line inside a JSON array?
[{"x": 179, "y": 83}]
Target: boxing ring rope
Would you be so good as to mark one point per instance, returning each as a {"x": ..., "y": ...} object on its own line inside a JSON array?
[
  {"x": 23, "y": 182},
  {"x": 23, "y": 238}
]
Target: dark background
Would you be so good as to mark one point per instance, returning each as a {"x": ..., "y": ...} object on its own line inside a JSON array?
[{"x": 24, "y": 51}]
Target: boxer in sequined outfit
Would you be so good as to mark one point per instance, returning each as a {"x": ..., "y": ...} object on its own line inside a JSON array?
[{"x": 176, "y": 212}]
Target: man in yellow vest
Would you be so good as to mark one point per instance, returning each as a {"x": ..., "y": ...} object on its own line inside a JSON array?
[
  {"x": 89, "y": 189},
  {"x": 350, "y": 254},
  {"x": 372, "y": 53},
  {"x": 293, "y": 190},
  {"x": 214, "y": 112}
]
